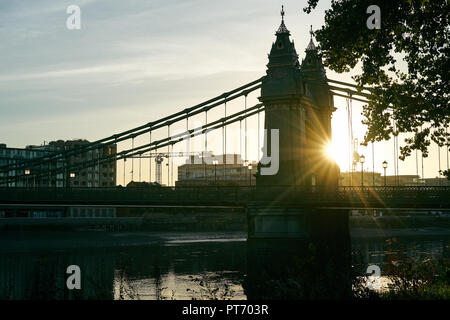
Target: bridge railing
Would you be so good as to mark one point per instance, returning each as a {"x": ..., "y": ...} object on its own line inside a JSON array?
[
  {"x": 410, "y": 196},
  {"x": 344, "y": 196}
]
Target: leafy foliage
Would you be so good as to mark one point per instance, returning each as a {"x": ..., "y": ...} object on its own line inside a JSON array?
[{"x": 406, "y": 99}]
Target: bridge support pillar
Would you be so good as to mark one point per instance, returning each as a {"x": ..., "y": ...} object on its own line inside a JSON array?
[
  {"x": 296, "y": 252},
  {"x": 296, "y": 222}
]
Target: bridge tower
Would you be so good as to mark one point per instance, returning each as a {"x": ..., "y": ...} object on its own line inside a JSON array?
[{"x": 299, "y": 104}]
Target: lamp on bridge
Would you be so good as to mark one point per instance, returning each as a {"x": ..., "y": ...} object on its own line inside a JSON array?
[
  {"x": 215, "y": 171},
  {"x": 384, "y": 167},
  {"x": 250, "y": 167},
  {"x": 72, "y": 176},
  {"x": 27, "y": 173},
  {"x": 362, "y": 159}
]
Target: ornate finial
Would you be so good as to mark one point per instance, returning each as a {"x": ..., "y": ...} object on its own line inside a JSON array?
[
  {"x": 311, "y": 46},
  {"x": 282, "y": 28}
]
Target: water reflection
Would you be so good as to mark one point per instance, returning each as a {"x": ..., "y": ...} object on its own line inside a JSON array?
[
  {"x": 287, "y": 269},
  {"x": 204, "y": 269}
]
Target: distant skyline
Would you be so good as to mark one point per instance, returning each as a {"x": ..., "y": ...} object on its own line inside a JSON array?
[{"x": 136, "y": 61}]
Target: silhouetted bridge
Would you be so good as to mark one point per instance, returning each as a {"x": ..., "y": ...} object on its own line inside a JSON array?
[{"x": 345, "y": 197}]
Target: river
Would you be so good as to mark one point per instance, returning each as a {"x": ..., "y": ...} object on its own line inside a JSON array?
[{"x": 139, "y": 265}]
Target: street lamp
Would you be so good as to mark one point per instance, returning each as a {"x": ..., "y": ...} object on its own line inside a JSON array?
[
  {"x": 250, "y": 173},
  {"x": 362, "y": 159},
  {"x": 384, "y": 167},
  {"x": 72, "y": 176},
  {"x": 215, "y": 171},
  {"x": 27, "y": 173}
]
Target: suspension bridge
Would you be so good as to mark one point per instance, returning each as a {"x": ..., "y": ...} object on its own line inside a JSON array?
[{"x": 296, "y": 101}]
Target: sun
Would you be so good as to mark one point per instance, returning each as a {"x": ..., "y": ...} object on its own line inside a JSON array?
[
  {"x": 331, "y": 151},
  {"x": 337, "y": 152}
]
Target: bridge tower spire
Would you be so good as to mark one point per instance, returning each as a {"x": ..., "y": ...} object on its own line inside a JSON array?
[{"x": 298, "y": 103}]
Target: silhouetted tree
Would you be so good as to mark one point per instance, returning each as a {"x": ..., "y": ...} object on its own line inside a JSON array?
[{"x": 415, "y": 31}]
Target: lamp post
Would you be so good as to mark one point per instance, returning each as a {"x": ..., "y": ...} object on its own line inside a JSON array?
[
  {"x": 384, "y": 167},
  {"x": 362, "y": 159},
  {"x": 27, "y": 173},
  {"x": 215, "y": 171},
  {"x": 72, "y": 176},
  {"x": 250, "y": 173}
]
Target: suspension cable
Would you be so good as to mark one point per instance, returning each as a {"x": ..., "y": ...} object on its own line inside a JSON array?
[
  {"x": 350, "y": 136},
  {"x": 140, "y": 157},
  {"x": 245, "y": 131},
  {"x": 124, "y": 171},
  {"x": 395, "y": 151},
  {"x": 171, "y": 166},
  {"x": 132, "y": 161},
  {"x": 163, "y": 142},
  {"x": 423, "y": 175},
  {"x": 240, "y": 139},
  {"x": 168, "y": 162},
  {"x": 398, "y": 156},
  {"x": 447, "y": 146},
  {"x": 206, "y": 137},
  {"x": 192, "y": 134},
  {"x": 417, "y": 165},
  {"x": 259, "y": 133},
  {"x": 228, "y": 96},
  {"x": 150, "y": 162},
  {"x": 224, "y": 132},
  {"x": 439, "y": 162},
  {"x": 373, "y": 164}
]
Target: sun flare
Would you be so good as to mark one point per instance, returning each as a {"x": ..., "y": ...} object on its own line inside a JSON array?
[{"x": 338, "y": 153}]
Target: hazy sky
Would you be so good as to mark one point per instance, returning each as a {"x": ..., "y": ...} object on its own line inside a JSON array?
[{"x": 135, "y": 61}]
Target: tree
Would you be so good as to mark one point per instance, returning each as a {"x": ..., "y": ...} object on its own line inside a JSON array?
[{"x": 415, "y": 32}]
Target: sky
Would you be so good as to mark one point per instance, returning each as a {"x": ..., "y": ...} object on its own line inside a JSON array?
[{"x": 136, "y": 61}]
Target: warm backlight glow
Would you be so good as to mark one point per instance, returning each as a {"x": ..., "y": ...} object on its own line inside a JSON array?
[{"x": 337, "y": 152}]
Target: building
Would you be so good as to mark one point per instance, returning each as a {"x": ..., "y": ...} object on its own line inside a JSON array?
[
  {"x": 99, "y": 175},
  {"x": 9, "y": 156},
  {"x": 219, "y": 170}
]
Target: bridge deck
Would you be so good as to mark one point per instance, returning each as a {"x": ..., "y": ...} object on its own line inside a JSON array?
[{"x": 349, "y": 197}]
